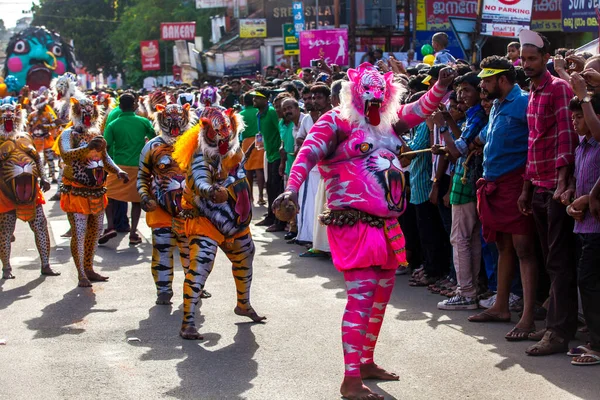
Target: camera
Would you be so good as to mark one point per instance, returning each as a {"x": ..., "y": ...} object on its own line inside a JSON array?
[{"x": 314, "y": 63}]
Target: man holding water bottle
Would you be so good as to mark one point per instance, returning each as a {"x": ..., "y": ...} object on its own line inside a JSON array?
[{"x": 268, "y": 138}]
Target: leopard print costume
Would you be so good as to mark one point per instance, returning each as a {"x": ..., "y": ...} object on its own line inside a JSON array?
[
  {"x": 217, "y": 209},
  {"x": 21, "y": 183},
  {"x": 160, "y": 185},
  {"x": 83, "y": 189}
]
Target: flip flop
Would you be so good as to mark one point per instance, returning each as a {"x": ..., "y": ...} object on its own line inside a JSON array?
[
  {"x": 578, "y": 351},
  {"x": 593, "y": 356},
  {"x": 487, "y": 317},
  {"x": 525, "y": 334}
]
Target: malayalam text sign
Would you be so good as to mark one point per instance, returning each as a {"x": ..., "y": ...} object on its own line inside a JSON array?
[
  {"x": 291, "y": 44},
  {"x": 579, "y": 15},
  {"x": 546, "y": 16},
  {"x": 438, "y": 12},
  {"x": 298, "y": 13},
  {"x": 505, "y": 17},
  {"x": 178, "y": 31},
  {"x": 253, "y": 28},
  {"x": 150, "y": 55},
  {"x": 329, "y": 44}
]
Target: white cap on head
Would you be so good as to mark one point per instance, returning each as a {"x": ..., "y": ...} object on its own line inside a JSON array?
[{"x": 530, "y": 37}]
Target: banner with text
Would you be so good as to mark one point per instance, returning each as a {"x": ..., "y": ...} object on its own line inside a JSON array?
[
  {"x": 505, "y": 17},
  {"x": 546, "y": 16},
  {"x": 253, "y": 28},
  {"x": 438, "y": 12},
  {"x": 291, "y": 45},
  {"x": 150, "y": 55},
  {"x": 329, "y": 44},
  {"x": 178, "y": 31},
  {"x": 579, "y": 15},
  {"x": 298, "y": 10}
]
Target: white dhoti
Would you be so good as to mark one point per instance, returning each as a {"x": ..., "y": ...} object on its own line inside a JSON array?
[
  {"x": 306, "y": 201},
  {"x": 320, "y": 241}
]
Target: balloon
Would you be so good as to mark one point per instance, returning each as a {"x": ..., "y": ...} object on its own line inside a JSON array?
[
  {"x": 426, "y": 50},
  {"x": 429, "y": 59},
  {"x": 3, "y": 90}
]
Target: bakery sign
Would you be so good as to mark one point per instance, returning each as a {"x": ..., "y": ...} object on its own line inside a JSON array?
[{"x": 178, "y": 31}]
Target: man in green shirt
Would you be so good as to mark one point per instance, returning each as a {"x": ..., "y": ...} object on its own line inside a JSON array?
[
  {"x": 255, "y": 163},
  {"x": 125, "y": 138},
  {"x": 268, "y": 127}
]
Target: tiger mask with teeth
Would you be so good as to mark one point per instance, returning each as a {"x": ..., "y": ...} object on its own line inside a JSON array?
[{"x": 172, "y": 120}]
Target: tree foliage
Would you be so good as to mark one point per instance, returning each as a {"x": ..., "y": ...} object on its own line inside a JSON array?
[
  {"x": 88, "y": 23},
  {"x": 107, "y": 33}
]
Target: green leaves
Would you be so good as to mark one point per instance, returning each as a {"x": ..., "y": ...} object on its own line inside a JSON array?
[{"x": 107, "y": 33}]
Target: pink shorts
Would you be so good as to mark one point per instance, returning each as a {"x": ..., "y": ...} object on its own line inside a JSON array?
[{"x": 364, "y": 246}]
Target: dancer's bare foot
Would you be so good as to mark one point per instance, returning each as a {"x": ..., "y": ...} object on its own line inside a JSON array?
[
  {"x": 374, "y": 371},
  {"x": 84, "y": 282},
  {"x": 190, "y": 333},
  {"x": 250, "y": 313},
  {"x": 47, "y": 271},
  {"x": 96, "y": 277},
  {"x": 353, "y": 389},
  {"x": 164, "y": 299},
  {"x": 7, "y": 275}
]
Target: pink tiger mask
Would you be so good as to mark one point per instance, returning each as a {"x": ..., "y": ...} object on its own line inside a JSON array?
[{"x": 372, "y": 93}]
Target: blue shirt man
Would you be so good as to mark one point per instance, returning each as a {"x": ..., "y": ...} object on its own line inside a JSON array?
[{"x": 506, "y": 136}]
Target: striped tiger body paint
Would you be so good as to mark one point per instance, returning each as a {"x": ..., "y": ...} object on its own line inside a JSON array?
[
  {"x": 21, "y": 181},
  {"x": 160, "y": 185},
  {"x": 217, "y": 202}
]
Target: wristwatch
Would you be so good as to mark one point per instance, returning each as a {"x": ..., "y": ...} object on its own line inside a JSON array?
[{"x": 586, "y": 99}]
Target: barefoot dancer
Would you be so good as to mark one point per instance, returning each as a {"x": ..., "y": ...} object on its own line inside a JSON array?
[
  {"x": 357, "y": 151},
  {"x": 84, "y": 185},
  {"x": 217, "y": 199},
  {"x": 22, "y": 181}
]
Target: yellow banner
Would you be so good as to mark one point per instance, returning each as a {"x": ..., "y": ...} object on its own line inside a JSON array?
[
  {"x": 421, "y": 16},
  {"x": 253, "y": 28}
]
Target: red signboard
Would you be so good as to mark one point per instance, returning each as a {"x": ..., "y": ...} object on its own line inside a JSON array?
[
  {"x": 150, "y": 55},
  {"x": 438, "y": 12},
  {"x": 546, "y": 15},
  {"x": 178, "y": 31}
]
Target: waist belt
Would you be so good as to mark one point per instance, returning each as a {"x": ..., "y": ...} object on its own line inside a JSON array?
[
  {"x": 350, "y": 218},
  {"x": 83, "y": 191}
]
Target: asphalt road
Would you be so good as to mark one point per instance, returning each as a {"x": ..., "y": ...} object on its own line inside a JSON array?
[{"x": 64, "y": 342}]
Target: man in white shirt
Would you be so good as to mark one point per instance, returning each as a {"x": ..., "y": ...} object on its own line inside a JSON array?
[{"x": 150, "y": 83}]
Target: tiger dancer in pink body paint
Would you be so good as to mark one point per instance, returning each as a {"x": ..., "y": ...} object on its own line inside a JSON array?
[{"x": 357, "y": 149}]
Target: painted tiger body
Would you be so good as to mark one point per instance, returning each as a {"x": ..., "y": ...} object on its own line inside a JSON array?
[
  {"x": 21, "y": 180},
  {"x": 217, "y": 203},
  {"x": 83, "y": 189},
  {"x": 160, "y": 184}
]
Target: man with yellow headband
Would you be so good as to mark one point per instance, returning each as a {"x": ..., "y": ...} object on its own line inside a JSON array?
[{"x": 504, "y": 158}]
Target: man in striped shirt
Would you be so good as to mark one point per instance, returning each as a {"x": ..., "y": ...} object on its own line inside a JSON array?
[{"x": 550, "y": 160}]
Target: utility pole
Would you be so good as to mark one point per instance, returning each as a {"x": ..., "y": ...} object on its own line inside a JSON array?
[
  {"x": 352, "y": 34},
  {"x": 407, "y": 10},
  {"x": 475, "y": 50},
  {"x": 336, "y": 13}
]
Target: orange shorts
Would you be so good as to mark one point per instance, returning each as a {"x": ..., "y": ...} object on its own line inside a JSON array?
[
  {"x": 159, "y": 218},
  {"x": 25, "y": 212},
  {"x": 256, "y": 159},
  {"x": 71, "y": 203},
  {"x": 42, "y": 144},
  {"x": 201, "y": 226}
]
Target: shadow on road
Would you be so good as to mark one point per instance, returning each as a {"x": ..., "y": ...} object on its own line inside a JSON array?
[
  {"x": 219, "y": 374},
  {"x": 66, "y": 316},
  {"x": 417, "y": 304},
  {"x": 8, "y": 297}
]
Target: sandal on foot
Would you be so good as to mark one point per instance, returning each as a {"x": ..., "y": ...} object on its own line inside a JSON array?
[
  {"x": 537, "y": 335},
  {"x": 518, "y": 334},
  {"x": 134, "y": 239},
  {"x": 487, "y": 317},
  {"x": 107, "y": 235},
  {"x": 551, "y": 343},
  {"x": 594, "y": 359},
  {"x": 578, "y": 351},
  {"x": 205, "y": 295}
]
